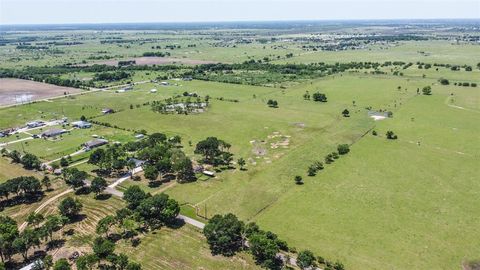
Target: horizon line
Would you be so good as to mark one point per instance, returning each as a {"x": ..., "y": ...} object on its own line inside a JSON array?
[{"x": 244, "y": 21}]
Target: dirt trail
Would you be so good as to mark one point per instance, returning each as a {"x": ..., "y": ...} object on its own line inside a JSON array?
[{"x": 43, "y": 205}]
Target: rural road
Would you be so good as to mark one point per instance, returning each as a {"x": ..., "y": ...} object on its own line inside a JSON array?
[
  {"x": 19, "y": 140},
  {"x": 72, "y": 154}
]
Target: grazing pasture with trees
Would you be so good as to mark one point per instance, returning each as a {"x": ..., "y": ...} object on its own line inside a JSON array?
[{"x": 240, "y": 147}]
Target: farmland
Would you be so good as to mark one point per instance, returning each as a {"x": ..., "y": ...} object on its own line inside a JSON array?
[{"x": 408, "y": 202}]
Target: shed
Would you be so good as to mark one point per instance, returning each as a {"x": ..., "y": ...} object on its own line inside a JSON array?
[
  {"x": 107, "y": 110},
  {"x": 153, "y": 90},
  {"x": 139, "y": 136},
  {"x": 209, "y": 173}
]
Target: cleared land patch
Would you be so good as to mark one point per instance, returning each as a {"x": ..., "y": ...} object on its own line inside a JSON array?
[{"x": 16, "y": 91}]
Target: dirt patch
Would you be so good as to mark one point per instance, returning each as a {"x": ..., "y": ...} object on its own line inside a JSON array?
[
  {"x": 16, "y": 91},
  {"x": 155, "y": 61}
]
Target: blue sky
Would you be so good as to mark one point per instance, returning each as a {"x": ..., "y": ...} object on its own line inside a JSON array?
[{"x": 112, "y": 11}]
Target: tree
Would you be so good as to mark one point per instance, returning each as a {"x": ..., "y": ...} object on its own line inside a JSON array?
[
  {"x": 103, "y": 247},
  {"x": 264, "y": 250},
  {"x": 74, "y": 177},
  {"x": 62, "y": 264},
  {"x": 241, "y": 162},
  {"x": 34, "y": 219},
  {"x": 391, "y": 136},
  {"x": 213, "y": 150},
  {"x": 224, "y": 234},
  {"x": 99, "y": 184},
  {"x": 150, "y": 172},
  {"x": 70, "y": 207},
  {"x": 52, "y": 224},
  {"x": 305, "y": 259},
  {"x": 183, "y": 166},
  {"x": 346, "y": 113},
  {"x": 30, "y": 161},
  {"x": 343, "y": 149},
  {"x": 298, "y": 180},
  {"x": 26, "y": 240},
  {"x": 133, "y": 196},
  {"x": 444, "y": 81},
  {"x": 63, "y": 162},
  {"x": 15, "y": 156},
  {"x": 8, "y": 233},
  {"x": 319, "y": 97},
  {"x": 134, "y": 266},
  {"x": 47, "y": 262},
  {"x": 86, "y": 262},
  {"x": 104, "y": 225},
  {"x": 46, "y": 182},
  {"x": 158, "y": 210},
  {"x": 120, "y": 261},
  {"x": 427, "y": 90}
]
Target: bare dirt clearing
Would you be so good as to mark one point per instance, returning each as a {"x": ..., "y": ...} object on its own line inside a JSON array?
[
  {"x": 155, "y": 61},
  {"x": 16, "y": 91}
]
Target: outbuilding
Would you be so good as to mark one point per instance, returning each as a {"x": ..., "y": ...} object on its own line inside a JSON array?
[{"x": 209, "y": 173}]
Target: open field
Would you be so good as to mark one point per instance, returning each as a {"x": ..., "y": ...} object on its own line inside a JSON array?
[
  {"x": 183, "y": 248},
  {"x": 14, "y": 91}
]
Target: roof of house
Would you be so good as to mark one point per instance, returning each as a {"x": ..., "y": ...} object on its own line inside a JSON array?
[
  {"x": 53, "y": 132},
  {"x": 81, "y": 123},
  {"x": 95, "y": 143}
]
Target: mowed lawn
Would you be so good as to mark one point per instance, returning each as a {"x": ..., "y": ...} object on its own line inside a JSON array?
[{"x": 395, "y": 204}]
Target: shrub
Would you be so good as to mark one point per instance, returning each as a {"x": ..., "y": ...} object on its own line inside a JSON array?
[{"x": 343, "y": 149}]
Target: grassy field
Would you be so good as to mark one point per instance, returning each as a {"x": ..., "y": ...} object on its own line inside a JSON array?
[
  {"x": 183, "y": 248},
  {"x": 9, "y": 170},
  {"x": 395, "y": 204}
]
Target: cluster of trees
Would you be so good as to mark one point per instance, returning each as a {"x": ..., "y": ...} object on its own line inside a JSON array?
[
  {"x": 112, "y": 76},
  {"x": 104, "y": 257},
  {"x": 15, "y": 242},
  {"x": 145, "y": 210},
  {"x": 227, "y": 235},
  {"x": 190, "y": 104},
  {"x": 39, "y": 229},
  {"x": 28, "y": 160},
  {"x": 317, "y": 96},
  {"x": 164, "y": 156},
  {"x": 342, "y": 149},
  {"x": 391, "y": 135},
  {"x": 272, "y": 103},
  {"x": 156, "y": 54},
  {"x": 23, "y": 189},
  {"x": 214, "y": 151},
  {"x": 466, "y": 84},
  {"x": 113, "y": 158}
]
